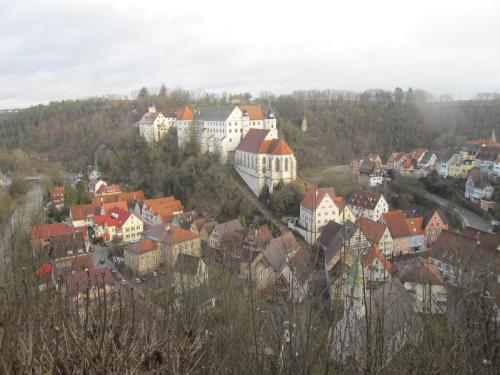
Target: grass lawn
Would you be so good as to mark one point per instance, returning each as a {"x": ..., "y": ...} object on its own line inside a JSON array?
[{"x": 338, "y": 176}]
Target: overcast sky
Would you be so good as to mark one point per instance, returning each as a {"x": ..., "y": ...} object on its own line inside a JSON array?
[{"x": 53, "y": 50}]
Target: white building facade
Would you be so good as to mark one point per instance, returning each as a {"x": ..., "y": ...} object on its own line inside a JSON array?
[
  {"x": 262, "y": 160},
  {"x": 153, "y": 126}
]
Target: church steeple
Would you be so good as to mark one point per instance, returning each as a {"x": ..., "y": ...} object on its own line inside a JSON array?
[{"x": 493, "y": 138}]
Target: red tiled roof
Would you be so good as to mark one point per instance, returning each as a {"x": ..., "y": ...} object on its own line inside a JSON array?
[
  {"x": 114, "y": 217},
  {"x": 415, "y": 225},
  {"x": 315, "y": 196},
  {"x": 84, "y": 211},
  {"x": 371, "y": 229},
  {"x": 83, "y": 280},
  {"x": 364, "y": 199},
  {"x": 45, "y": 269},
  {"x": 107, "y": 206},
  {"x": 65, "y": 266},
  {"x": 339, "y": 202},
  {"x": 254, "y": 111},
  {"x": 396, "y": 222},
  {"x": 373, "y": 253},
  {"x": 132, "y": 196},
  {"x": 102, "y": 199},
  {"x": 172, "y": 235},
  {"x": 46, "y": 231},
  {"x": 109, "y": 189},
  {"x": 255, "y": 142},
  {"x": 185, "y": 114}
]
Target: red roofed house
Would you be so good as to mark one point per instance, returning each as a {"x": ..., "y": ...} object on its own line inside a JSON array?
[
  {"x": 118, "y": 223},
  {"x": 316, "y": 210},
  {"x": 104, "y": 190},
  {"x": 160, "y": 210},
  {"x": 417, "y": 238},
  {"x": 378, "y": 234},
  {"x": 57, "y": 196},
  {"x": 92, "y": 283},
  {"x": 400, "y": 231},
  {"x": 367, "y": 204},
  {"x": 185, "y": 126},
  {"x": 43, "y": 235},
  {"x": 376, "y": 267},
  {"x": 143, "y": 256},
  {"x": 262, "y": 160},
  {"x": 175, "y": 241},
  {"x": 83, "y": 214}
]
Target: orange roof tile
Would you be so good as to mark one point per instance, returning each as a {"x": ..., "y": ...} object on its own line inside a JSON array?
[
  {"x": 282, "y": 148},
  {"x": 415, "y": 225},
  {"x": 132, "y": 196},
  {"x": 143, "y": 246},
  {"x": 254, "y": 111},
  {"x": 185, "y": 114},
  {"x": 107, "y": 206},
  {"x": 396, "y": 222},
  {"x": 84, "y": 211},
  {"x": 46, "y": 231},
  {"x": 373, "y": 253},
  {"x": 371, "y": 229},
  {"x": 339, "y": 202}
]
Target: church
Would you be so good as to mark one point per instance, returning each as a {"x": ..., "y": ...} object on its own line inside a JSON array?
[{"x": 262, "y": 160}]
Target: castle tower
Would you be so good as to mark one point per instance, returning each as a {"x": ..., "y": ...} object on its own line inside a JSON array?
[
  {"x": 303, "y": 126},
  {"x": 152, "y": 108}
]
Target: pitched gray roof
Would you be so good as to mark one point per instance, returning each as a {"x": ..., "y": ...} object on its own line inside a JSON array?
[
  {"x": 213, "y": 113},
  {"x": 333, "y": 243}
]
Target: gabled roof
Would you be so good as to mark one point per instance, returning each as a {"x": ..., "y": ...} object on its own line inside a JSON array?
[
  {"x": 336, "y": 236},
  {"x": 429, "y": 214},
  {"x": 158, "y": 204},
  {"x": 488, "y": 153},
  {"x": 364, "y": 199},
  {"x": 427, "y": 157},
  {"x": 46, "y": 231},
  {"x": 108, "y": 206},
  {"x": 132, "y": 196},
  {"x": 254, "y": 111},
  {"x": 485, "y": 239},
  {"x": 339, "y": 202},
  {"x": 187, "y": 264},
  {"x": 185, "y": 114},
  {"x": 419, "y": 270},
  {"x": 415, "y": 225},
  {"x": 142, "y": 246},
  {"x": 396, "y": 222},
  {"x": 109, "y": 189},
  {"x": 171, "y": 236},
  {"x": 214, "y": 113},
  {"x": 228, "y": 227},
  {"x": 79, "y": 262},
  {"x": 255, "y": 142},
  {"x": 277, "y": 249},
  {"x": 446, "y": 154},
  {"x": 259, "y": 236},
  {"x": 315, "y": 196},
  {"x": 114, "y": 217},
  {"x": 148, "y": 118},
  {"x": 376, "y": 253},
  {"x": 85, "y": 280},
  {"x": 84, "y": 211},
  {"x": 478, "y": 178},
  {"x": 371, "y": 229}
]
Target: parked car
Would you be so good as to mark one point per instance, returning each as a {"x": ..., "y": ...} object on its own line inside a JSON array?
[{"x": 138, "y": 280}]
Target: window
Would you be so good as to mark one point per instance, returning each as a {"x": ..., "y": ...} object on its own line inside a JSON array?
[
  {"x": 286, "y": 165},
  {"x": 277, "y": 165}
]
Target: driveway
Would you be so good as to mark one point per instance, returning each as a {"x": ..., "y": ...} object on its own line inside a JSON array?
[{"x": 468, "y": 218}]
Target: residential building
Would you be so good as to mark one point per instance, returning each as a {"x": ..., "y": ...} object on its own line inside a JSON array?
[
  {"x": 423, "y": 280},
  {"x": 118, "y": 224},
  {"x": 376, "y": 267},
  {"x": 153, "y": 125},
  {"x": 57, "y": 197},
  {"x": 443, "y": 160},
  {"x": 293, "y": 282},
  {"x": 83, "y": 215},
  {"x": 341, "y": 245},
  {"x": 189, "y": 272},
  {"x": 434, "y": 222},
  {"x": 367, "y": 204},
  {"x": 206, "y": 231},
  {"x": 428, "y": 160},
  {"x": 378, "y": 234},
  {"x": 91, "y": 284},
  {"x": 490, "y": 241},
  {"x": 143, "y": 256},
  {"x": 345, "y": 213},
  {"x": 60, "y": 239},
  {"x": 400, "y": 232},
  {"x": 226, "y": 235},
  {"x": 262, "y": 160},
  {"x": 175, "y": 241},
  {"x": 317, "y": 209},
  {"x": 485, "y": 159},
  {"x": 160, "y": 210},
  {"x": 477, "y": 187}
]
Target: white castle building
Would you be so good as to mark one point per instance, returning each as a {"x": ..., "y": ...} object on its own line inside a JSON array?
[
  {"x": 153, "y": 126},
  {"x": 261, "y": 159},
  {"x": 221, "y": 128}
]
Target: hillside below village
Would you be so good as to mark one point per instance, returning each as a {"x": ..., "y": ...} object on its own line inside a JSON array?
[{"x": 319, "y": 231}]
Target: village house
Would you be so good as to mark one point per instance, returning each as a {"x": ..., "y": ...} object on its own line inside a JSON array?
[
  {"x": 255, "y": 241},
  {"x": 106, "y": 190},
  {"x": 316, "y": 210},
  {"x": 206, "y": 231},
  {"x": 267, "y": 265},
  {"x": 423, "y": 280},
  {"x": 400, "y": 232},
  {"x": 293, "y": 282},
  {"x": 153, "y": 125},
  {"x": 83, "y": 215},
  {"x": 367, "y": 204},
  {"x": 341, "y": 245},
  {"x": 485, "y": 159},
  {"x": 490, "y": 241},
  {"x": 175, "y": 241},
  {"x": 60, "y": 238},
  {"x": 91, "y": 284},
  {"x": 120, "y": 224},
  {"x": 160, "y": 210},
  {"x": 378, "y": 234},
  {"x": 262, "y": 160},
  {"x": 428, "y": 160},
  {"x": 143, "y": 256},
  {"x": 443, "y": 161},
  {"x": 477, "y": 187},
  {"x": 434, "y": 222},
  {"x": 376, "y": 268},
  {"x": 226, "y": 235},
  {"x": 57, "y": 197},
  {"x": 189, "y": 272}
]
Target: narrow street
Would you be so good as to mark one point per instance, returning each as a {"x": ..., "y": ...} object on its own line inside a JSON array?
[{"x": 468, "y": 218}]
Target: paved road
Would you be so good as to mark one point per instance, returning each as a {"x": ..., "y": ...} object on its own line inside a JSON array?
[
  {"x": 468, "y": 217},
  {"x": 22, "y": 216}
]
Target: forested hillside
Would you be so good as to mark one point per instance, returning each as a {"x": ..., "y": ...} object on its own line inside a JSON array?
[{"x": 341, "y": 125}]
